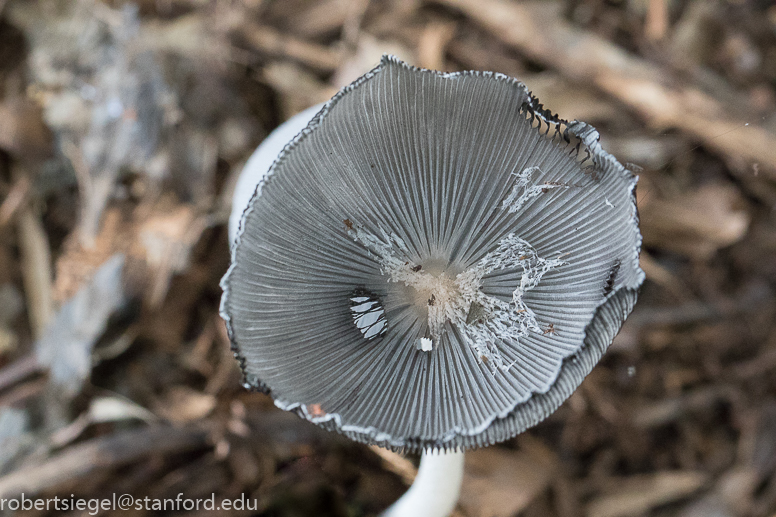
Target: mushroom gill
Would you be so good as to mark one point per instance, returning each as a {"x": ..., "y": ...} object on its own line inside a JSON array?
[{"x": 435, "y": 261}]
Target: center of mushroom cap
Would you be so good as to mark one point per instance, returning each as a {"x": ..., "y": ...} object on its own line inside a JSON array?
[
  {"x": 434, "y": 292},
  {"x": 442, "y": 294}
]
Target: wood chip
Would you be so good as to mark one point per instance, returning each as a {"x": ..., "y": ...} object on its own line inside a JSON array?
[
  {"x": 639, "y": 494},
  {"x": 697, "y": 223},
  {"x": 500, "y": 482},
  {"x": 183, "y": 404},
  {"x": 433, "y": 44},
  {"x": 22, "y": 130}
]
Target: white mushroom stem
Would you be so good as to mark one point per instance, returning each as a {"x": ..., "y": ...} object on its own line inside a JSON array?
[{"x": 436, "y": 488}]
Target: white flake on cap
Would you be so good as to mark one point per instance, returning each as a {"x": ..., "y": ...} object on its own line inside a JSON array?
[
  {"x": 368, "y": 315},
  {"x": 523, "y": 191}
]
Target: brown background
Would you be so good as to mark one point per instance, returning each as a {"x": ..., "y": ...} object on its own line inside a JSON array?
[{"x": 123, "y": 128}]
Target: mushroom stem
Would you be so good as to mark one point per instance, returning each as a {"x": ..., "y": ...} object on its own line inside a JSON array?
[{"x": 436, "y": 488}]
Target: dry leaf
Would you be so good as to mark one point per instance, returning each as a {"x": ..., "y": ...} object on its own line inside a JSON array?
[
  {"x": 696, "y": 224},
  {"x": 183, "y": 404},
  {"x": 500, "y": 483},
  {"x": 167, "y": 238}
]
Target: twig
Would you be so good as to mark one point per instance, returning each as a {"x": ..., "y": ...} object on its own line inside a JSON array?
[
  {"x": 94, "y": 190},
  {"x": 22, "y": 392},
  {"x": 227, "y": 366},
  {"x": 763, "y": 364},
  {"x": 106, "y": 452},
  {"x": 637, "y": 495},
  {"x": 656, "y": 24},
  {"x": 19, "y": 370},
  {"x": 36, "y": 270},
  {"x": 15, "y": 200},
  {"x": 697, "y": 311},
  {"x": 665, "y": 411},
  {"x": 432, "y": 44},
  {"x": 276, "y": 44},
  {"x": 352, "y": 23},
  {"x": 663, "y": 277},
  {"x": 324, "y": 17},
  {"x": 397, "y": 464}
]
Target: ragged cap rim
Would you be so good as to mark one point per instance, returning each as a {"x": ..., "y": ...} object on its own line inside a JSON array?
[{"x": 603, "y": 326}]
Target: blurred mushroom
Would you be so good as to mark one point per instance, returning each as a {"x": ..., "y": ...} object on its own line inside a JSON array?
[{"x": 434, "y": 263}]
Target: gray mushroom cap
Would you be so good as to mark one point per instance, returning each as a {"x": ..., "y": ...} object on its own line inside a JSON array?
[{"x": 434, "y": 262}]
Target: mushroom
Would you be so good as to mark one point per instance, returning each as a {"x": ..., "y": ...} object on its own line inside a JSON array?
[{"x": 433, "y": 263}]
